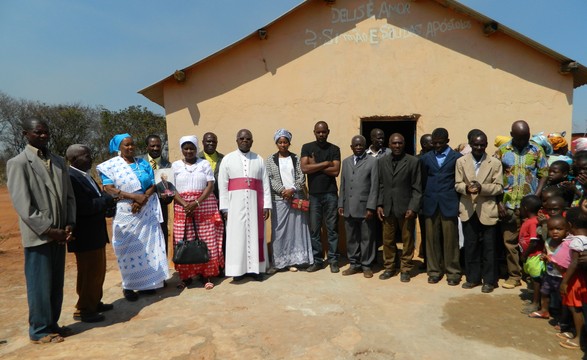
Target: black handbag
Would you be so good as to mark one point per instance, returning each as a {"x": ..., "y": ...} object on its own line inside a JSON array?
[{"x": 192, "y": 251}]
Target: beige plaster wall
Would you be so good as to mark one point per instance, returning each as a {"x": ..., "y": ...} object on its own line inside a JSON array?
[{"x": 368, "y": 58}]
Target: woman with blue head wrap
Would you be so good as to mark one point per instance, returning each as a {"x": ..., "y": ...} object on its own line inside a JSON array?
[{"x": 137, "y": 238}]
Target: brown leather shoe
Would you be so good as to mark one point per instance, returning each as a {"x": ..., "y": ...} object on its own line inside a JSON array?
[
  {"x": 351, "y": 271},
  {"x": 368, "y": 273}
]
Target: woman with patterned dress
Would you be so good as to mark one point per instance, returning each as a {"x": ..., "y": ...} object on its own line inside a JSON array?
[
  {"x": 195, "y": 203},
  {"x": 137, "y": 238},
  {"x": 290, "y": 238}
]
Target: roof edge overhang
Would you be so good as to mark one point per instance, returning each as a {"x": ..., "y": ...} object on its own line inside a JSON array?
[{"x": 154, "y": 92}]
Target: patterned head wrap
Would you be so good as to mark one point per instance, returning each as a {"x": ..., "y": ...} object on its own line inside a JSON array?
[
  {"x": 282, "y": 133},
  {"x": 189, "y": 138},
  {"x": 557, "y": 140},
  {"x": 115, "y": 142},
  {"x": 500, "y": 140},
  {"x": 580, "y": 144},
  {"x": 542, "y": 140}
]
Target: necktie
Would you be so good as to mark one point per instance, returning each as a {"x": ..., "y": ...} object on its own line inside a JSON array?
[{"x": 154, "y": 164}]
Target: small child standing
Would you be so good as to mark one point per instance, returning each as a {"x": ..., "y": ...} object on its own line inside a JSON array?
[
  {"x": 531, "y": 245},
  {"x": 558, "y": 229},
  {"x": 573, "y": 285}
]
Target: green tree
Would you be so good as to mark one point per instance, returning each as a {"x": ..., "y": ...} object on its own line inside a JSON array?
[{"x": 138, "y": 121}]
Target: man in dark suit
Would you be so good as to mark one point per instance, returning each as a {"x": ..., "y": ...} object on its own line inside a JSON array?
[
  {"x": 42, "y": 196},
  {"x": 157, "y": 161},
  {"x": 400, "y": 194},
  {"x": 440, "y": 206},
  {"x": 357, "y": 201},
  {"x": 90, "y": 234},
  {"x": 210, "y": 142}
]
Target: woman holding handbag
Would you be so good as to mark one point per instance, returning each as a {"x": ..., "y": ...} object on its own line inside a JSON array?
[
  {"x": 196, "y": 213},
  {"x": 290, "y": 238}
]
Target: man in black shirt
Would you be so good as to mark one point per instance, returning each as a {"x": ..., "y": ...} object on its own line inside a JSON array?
[{"x": 321, "y": 162}]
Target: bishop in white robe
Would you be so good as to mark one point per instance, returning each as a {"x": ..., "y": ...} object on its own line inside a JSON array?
[{"x": 245, "y": 199}]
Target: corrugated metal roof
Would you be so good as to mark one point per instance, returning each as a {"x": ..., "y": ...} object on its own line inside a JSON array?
[{"x": 154, "y": 92}]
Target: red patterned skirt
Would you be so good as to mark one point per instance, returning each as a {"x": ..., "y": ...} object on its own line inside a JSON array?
[{"x": 210, "y": 230}]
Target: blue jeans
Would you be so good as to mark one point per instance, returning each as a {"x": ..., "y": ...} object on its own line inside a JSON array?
[
  {"x": 324, "y": 207},
  {"x": 44, "y": 268}
]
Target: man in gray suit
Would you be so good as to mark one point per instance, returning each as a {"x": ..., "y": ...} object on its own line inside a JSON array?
[
  {"x": 357, "y": 201},
  {"x": 400, "y": 194},
  {"x": 41, "y": 192},
  {"x": 155, "y": 158}
]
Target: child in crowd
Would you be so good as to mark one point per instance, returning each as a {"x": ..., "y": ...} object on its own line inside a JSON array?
[
  {"x": 558, "y": 177},
  {"x": 558, "y": 229},
  {"x": 573, "y": 285},
  {"x": 531, "y": 247}
]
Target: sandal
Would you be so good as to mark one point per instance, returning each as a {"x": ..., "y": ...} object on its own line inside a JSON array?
[
  {"x": 293, "y": 269},
  {"x": 184, "y": 283},
  {"x": 569, "y": 344},
  {"x": 539, "y": 315},
  {"x": 565, "y": 335},
  {"x": 49, "y": 339},
  {"x": 209, "y": 285}
]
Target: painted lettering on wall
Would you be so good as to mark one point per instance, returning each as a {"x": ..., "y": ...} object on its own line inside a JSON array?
[{"x": 386, "y": 32}]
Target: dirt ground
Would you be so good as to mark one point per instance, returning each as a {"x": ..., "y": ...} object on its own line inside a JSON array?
[{"x": 288, "y": 316}]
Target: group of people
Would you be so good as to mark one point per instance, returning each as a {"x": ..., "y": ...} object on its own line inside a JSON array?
[{"x": 465, "y": 200}]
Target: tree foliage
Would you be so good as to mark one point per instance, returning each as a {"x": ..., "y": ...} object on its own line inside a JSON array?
[
  {"x": 138, "y": 121},
  {"x": 74, "y": 124}
]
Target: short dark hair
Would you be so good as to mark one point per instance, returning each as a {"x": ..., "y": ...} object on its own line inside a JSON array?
[
  {"x": 532, "y": 203},
  {"x": 475, "y": 133},
  {"x": 563, "y": 165},
  {"x": 557, "y": 217},
  {"x": 152, "y": 136},
  {"x": 576, "y": 218},
  {"x": 28, "y": 124},
  {"x": 440, "y": 133}
]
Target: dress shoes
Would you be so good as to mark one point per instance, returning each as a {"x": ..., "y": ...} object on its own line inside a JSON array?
[
  {"x": 387, "y": 274},
  {"x": 130, "y": 295},
  {"x": 433, "y": 279},
  {"x": 89, "y": 318},
  {"x": 368, "y": 273},
  {"x": 351, "y": 271},
  {"x": 315, "y": 267},
  {"x": 104, "y": 307},
  {"x": 238, "y": 278},
  {"x": 469, "y": 285},
  {"x": 453, "y": 282},
  {"x": 257, "y": 277},
  {"x": 404, "y": 277},
  {"x": 334, "y": 268},
  {"x": 487, "y": 288}
]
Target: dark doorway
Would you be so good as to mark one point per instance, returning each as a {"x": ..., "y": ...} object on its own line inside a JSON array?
[{"x": 405, "y": 125}]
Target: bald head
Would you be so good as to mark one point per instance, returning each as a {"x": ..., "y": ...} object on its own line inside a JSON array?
[
  {"x": 520, "y": 134},
  {"x": 79, "y": 156},
  {"x": 244, "y": 140}
]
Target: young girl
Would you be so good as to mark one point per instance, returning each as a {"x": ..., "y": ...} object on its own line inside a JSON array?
[
  {"x": 573, "y": 286},
  {"x": 558, "y": 229}
]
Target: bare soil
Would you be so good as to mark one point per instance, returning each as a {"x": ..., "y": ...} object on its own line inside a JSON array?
[{"x": 288, "y": 316}]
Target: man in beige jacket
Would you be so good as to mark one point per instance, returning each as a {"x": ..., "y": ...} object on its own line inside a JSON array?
[{"x": 479, "y": 180}]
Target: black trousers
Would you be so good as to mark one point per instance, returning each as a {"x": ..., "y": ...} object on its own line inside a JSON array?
[{"x": 480, "y": 253}]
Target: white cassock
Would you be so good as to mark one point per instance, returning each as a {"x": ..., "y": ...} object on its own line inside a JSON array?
[{"x": 244, "y": 192}]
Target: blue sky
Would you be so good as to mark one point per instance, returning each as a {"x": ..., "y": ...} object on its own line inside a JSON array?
[{"x": 103, "y": 52}]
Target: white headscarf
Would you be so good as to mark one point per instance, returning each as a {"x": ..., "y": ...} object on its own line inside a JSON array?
[{"x": 189, "y": 138}]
